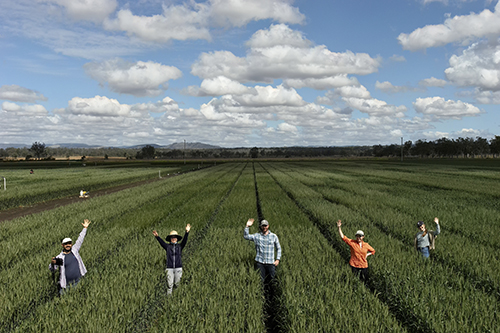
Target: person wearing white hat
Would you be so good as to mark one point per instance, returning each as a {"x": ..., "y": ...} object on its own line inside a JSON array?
[
  {"x": 69, "y": 261},
  {"x": 265, "y": 244},
  {"x": 174, "y": 255},
  {"x": 359, "y": 252}
]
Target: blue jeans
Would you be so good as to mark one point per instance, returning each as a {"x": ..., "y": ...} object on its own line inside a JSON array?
[{"x": 424, "y": 251}]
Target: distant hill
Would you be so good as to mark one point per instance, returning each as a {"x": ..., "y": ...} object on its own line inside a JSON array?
[
  {"x": 71, "y": 145},
  {"x": 191, "y": 145},
  {"x": 177, "y": 145},
  {"x": 13, "y": 145}
]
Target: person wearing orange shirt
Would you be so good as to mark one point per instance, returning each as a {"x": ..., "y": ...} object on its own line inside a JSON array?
[{"x": 359, "y": 252}]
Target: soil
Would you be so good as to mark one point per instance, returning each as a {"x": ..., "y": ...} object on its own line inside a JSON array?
[{"x": 10, "y": 214}]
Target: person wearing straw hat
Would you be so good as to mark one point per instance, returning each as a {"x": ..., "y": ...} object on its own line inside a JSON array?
[
  {"x": 265, "y": 244},
  {"x": 69, "y": 261},
  {"x": 174, "y": 253},
  {"x": 424, "y": 239},
  {"x": 359, "y": 252}
]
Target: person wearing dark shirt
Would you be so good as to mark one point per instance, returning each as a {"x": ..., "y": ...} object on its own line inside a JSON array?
[
  {"x": 174, "y": 256},
  {"x": 71, "y": 264}
]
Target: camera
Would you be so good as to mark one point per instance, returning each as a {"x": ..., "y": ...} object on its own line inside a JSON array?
[{"x": 59, "y": 261}]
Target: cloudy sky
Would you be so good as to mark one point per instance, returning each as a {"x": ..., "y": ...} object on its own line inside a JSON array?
[{"x": 248, "y": 73}]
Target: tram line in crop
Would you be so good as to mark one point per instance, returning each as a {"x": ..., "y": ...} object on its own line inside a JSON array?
[
  {"x": 400, "y": 310},
  {"x": 274, "y": 315},
  {"x": 155, "y": 303}
]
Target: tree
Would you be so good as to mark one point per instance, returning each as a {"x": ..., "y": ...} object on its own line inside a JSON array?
[
  {"x": 495, "y": 145},
  {"x": 38, "y": 149},
  {"x": 254, "y": 152},
  {"x": 481, "y": 146},
  {"x": 147, "y": 151},
  {"x": 407, "y": 148}
]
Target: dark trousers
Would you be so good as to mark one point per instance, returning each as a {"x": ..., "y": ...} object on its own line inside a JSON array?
[
  {"x": 267, "y": 271},
  {"x": 361, "y": 272}
]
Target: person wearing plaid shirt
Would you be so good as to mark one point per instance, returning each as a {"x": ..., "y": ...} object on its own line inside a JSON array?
[{"x": 265, "y": 244}]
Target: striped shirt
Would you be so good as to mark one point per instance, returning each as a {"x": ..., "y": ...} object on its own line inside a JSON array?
[{"x": 264, "y": 246}]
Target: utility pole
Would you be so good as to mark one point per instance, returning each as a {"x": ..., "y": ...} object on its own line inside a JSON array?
[
  {"x": 402, "y": 149},
  {"x": 184, "y": 152}
]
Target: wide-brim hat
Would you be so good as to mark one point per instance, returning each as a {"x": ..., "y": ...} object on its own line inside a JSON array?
[{"x": 173, "y": 233}]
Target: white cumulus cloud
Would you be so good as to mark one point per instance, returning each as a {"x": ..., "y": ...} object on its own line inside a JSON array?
[
  {"x": 17, "y": 93},
  {"x": 218, "y": 86},
  {"x": 388, "y": 87},
  {"x": 24, "y": 110},
  {"x": 179, "y": 22},
  {"x": 90, "y": 10},
  {"x": 283, "y": 61},
  {"x": 454, "y": 29},
  {"x": 240, "y": 12},
  {"x": 432, "y": 82},
  {"x": 138, "y": 79},
  {"x": 440, "y": 108},
  {"x": 478, "y": 66},
  {"x": 98, "y": 106}
]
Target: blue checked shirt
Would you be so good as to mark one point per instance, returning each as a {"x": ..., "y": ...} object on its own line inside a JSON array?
[{"x": 264, "y": 245}]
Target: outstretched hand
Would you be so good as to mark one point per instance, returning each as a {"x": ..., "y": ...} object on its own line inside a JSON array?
[
  {"x": 155, "y": 233},
  {"x": 250, "y": 222},
  {"x": 339, "y": 223},
  {"x": 436, "y": 220},
  {"x": 86, "y": 223},
  {"x": 188, "y": 227}
]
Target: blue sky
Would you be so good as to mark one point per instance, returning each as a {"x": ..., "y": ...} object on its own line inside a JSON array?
[{"x": 248, "y": 73}]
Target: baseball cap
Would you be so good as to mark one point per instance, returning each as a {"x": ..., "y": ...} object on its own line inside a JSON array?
[
  {"x": 360, "y": 233},
  {"x": 264, "y": 222},
  {"x": 66, "y": 240}
]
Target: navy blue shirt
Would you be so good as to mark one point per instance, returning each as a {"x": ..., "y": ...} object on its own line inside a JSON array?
[
  {"x": 174, "y": 251},
  {"x": 71, "y": 268}
]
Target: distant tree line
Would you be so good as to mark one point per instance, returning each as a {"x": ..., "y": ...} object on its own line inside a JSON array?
[{"x": 444, "y": 147}]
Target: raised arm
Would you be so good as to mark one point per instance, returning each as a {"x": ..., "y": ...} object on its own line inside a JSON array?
[
  {"x": 81, "y": 236},
  {"x": 339, "y": 224},
  {"x": 185, "y": 238},
  {"x": 246, "y": 233},
  {"x": 161, "y": 241},
  {"x": 438, "y": 228}
]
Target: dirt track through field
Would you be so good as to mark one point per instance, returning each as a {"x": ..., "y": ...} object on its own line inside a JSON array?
[{"x": 14, "y": 213}]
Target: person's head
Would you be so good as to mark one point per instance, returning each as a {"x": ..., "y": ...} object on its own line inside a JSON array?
[
  {"x": 264, "y": 226},
  {"x": 421, "y": 225},
  {"x": 67, "y": 244},
  {"x": 360, "y": 235},
  {"x": 173, "y": 237}
]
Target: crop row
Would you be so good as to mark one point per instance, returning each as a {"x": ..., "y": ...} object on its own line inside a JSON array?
[
  {"x": 220, "y": 291},
  {"x": 418, "y": 293},
  {"x": 396, "y": 215},
  {"x": 105, "y": 239},
  {"x": 47, "y": 184},
  {"x": 319, "y": 290}
]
